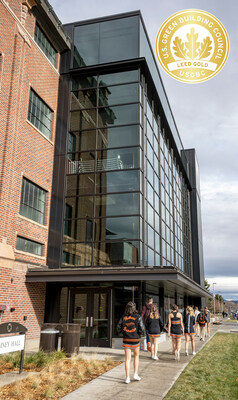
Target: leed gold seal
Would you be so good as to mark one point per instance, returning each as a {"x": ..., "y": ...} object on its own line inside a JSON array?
[{"x": 192, "y": 46}]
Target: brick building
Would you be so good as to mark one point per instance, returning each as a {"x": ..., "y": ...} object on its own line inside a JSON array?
[{"x": 31, "y": 42}]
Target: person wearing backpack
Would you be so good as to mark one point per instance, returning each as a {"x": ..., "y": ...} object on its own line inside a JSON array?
[
  {"x": 189, "y": 322},
  {"x": 201, "y": 319},
  {"x": 175, "y": 330},
  {"x": 154, "y": 326},
  {"x": 132, "y": 327}
]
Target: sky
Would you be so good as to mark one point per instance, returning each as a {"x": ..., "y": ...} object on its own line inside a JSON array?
[{"x": 207, "y": 118}]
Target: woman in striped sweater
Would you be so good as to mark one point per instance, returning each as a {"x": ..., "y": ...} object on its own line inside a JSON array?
[{"x": 132, "y": 327}]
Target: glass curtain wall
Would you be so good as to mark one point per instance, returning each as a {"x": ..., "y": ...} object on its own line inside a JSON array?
[
  {"x": 102, "y": 223},
  {"x": 167, "y": 231}
]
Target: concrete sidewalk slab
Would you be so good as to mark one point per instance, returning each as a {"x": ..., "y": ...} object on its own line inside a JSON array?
[
  {"x": 12, "y": 377},
  {"x": 157, "y": 376}
]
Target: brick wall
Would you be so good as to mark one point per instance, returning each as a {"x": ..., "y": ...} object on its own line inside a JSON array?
[{"x": 24, "y": 152}]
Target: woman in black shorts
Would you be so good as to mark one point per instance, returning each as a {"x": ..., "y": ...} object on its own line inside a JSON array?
[
  {"x": 189, "y": 322},
  {"x": 154, "y": 326},
  {"x": 175, "y": 330},
  {"x": 132, "y": 327}
]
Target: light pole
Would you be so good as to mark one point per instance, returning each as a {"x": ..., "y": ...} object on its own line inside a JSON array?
[{"x": 214, "y": 283}]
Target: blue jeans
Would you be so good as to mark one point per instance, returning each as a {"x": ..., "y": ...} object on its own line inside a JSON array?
[{"x": 147, "y": 337}]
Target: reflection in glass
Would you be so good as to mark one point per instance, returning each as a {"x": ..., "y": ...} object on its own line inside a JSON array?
[
  {"x": 118, "y": 181},
  {"x": 80, "y": 206},
  {"x": 121, "y": 136},
  {"x": 80, "y": 312},
  {"x": 81, "y": 230},
  {"x": 118, "y": 39},
  {"x": 86, "y": 45},
  {"x": 77, "y": 254},
  {"x": 84, "y": 119},
  {"x": 119, "y": 94},
  {"x": 116, "y": 253},
  {"x": 82, "y": 140},
  {"x": 79, "y": 184},
  {"x": 82, "y": 163},
  {"x": 117, "y": 159},
  {"x": 117, "y": 204},
  {"x": 84, "y": 81},
  {"x": 117, "y": 228},
  {"x": 151, "y": 241},
  {"x": 86, "y": 98},
  {"x": 118, "y": 77},
  {"x": 118, "y": 115}
]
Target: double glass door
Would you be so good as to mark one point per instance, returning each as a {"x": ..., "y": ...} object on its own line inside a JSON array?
[{"x": 91, "y": 308}]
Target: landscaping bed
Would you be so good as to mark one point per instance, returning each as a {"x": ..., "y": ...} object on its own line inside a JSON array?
[
  {"x": 212, "y": 374},
  {"x": 57, "y": 376}
]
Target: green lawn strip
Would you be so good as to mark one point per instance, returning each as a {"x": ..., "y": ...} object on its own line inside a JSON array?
[{"x": 212, "y": 374}]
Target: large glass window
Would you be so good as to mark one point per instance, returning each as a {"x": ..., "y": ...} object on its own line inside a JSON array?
[
  {"x": 116, "y": 253},
  {"x": 125, "y": 158},
  {"x": 77, "y": 254},
  {"x": 118, "y": 115},
  {"x": 121, "y": 136},
  {"x": 117, "y": 204},
  {"x": 86, "y": 45},
  {"x": 117, "y": 228},
  {"x": 81, "y": 141},
  {"x": 45, "y": 44},
  {"x": 119, "y": 94},
  {"x": 39, "y": 114},
  {"x": 118, "y": 77},
  {"x": 80, "y": 184},
  {"x": 118, "y": 181},
  {"x": 29, "y": 246},
  {"x": 33, "y": 201}
]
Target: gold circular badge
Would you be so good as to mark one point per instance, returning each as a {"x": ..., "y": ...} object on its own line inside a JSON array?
[{"x": 192, "y": 46}]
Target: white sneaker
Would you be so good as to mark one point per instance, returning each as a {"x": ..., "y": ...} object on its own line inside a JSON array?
[
  {"x": 152, "y": 356},
  {"x": 137, "y": 377},
  {"x": 194, "y": 352},
  {"x": 127, "y": 379},
  {"x": 186, "y": 353},
  {"x": 156, "y": 358}
]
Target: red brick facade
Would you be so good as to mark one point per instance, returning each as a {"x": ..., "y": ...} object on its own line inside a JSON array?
[{"x": 24, "y": 152}]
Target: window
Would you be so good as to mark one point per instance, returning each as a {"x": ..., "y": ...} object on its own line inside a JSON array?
[
  {"x": 39, "y": 114},
  {"x": 29, "y": 246},
  {"x": 45, "y": 45},
  {"x": 33, "y": 200}
]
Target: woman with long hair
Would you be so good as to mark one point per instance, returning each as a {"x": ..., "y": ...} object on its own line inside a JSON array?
[
  {"x": 132, "y": 327},
  {"x": 154, "y": 326},
  {"x": 189, "y": 322},
  {"x": 175, "y": 330},
  {"x": 201, "y": 319}
]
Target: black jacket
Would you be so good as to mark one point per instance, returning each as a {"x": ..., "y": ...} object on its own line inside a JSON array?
[
  {"x": 154, "y": 326},
  {"x": 131, "y": 326}
]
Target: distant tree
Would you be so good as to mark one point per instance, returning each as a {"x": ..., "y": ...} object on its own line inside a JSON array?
[{"x": 207, "y": 285}]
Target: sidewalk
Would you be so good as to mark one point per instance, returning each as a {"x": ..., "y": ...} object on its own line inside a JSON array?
[{"x": 157, "y": 376}]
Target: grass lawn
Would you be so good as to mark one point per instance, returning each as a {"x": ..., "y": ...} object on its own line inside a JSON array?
[
  {"x": 57, "y": 375},
  {"x": 212, "y": 374}
]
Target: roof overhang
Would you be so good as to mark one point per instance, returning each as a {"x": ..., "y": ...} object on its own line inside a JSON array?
[{"x": 67, "y": 275}]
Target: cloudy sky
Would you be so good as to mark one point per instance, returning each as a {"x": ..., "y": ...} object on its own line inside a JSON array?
[{"x": 207, "y": 118}]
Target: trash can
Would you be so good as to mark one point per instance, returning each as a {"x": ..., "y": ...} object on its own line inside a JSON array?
[
  {"x": 49, "y": 337},
  {"x": 70, "y": 341}
]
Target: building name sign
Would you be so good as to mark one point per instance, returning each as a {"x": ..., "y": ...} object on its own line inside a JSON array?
[{"x": 12, "y": 343}]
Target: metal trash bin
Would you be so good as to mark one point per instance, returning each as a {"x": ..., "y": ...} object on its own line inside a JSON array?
[
  {"x": 70, "y": 341},
  {"x": 49, "y": 337}
]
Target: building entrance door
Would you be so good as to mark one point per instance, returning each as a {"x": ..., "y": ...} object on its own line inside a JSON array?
[{"x": 91, "y": 308}]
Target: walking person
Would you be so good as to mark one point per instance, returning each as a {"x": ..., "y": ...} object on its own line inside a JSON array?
[
  {"x": 201, "y": 319},
  {"x": 175, "y": 330},
  {"x": 207, "y": 316},
  {"x": 146, "y": 310},
  {"x": 154, "y": 325},
  {"x": 132, "y": 327},
  {"x": 189, "y": 322},
  {"x": 196, "y": 312}
]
